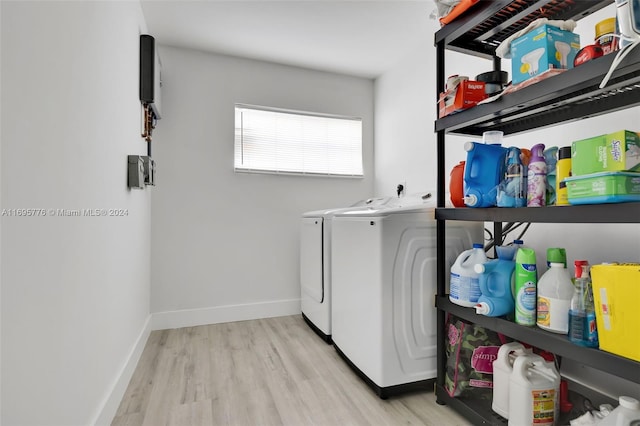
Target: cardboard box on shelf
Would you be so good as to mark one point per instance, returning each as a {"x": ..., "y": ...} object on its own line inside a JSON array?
[
  {"x": 545, "y": 47},
  {"x": 614, "y": 152},
  {"x": 464, "y": 95},
  {"x": 616, "y": 291}
]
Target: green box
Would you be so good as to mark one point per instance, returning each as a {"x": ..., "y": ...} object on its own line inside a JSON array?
[
  {"x": 605, "y": 187},
  {"x": 615, "y": 152}
]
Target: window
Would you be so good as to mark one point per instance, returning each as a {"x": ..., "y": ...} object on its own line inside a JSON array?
[{"x": 269, "y": 140}]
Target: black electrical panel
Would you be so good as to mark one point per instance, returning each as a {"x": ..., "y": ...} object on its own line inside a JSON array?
[{"x": 149, "y": 74}]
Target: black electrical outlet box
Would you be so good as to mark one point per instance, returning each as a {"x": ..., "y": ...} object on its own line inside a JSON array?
[{"x": 149, "y": 74}]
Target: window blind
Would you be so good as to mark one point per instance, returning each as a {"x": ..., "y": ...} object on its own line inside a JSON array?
[{"x": 271, "y": 140}]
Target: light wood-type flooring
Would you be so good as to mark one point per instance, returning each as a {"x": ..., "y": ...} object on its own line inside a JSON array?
[{"x": 272, "y": 371}]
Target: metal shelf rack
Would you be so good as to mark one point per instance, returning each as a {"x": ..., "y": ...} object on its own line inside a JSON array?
[{"x": 571, "y": 95}]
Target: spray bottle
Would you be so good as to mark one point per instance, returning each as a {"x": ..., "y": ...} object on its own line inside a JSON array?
[
  {"x": 582, "y": 317},
  {"x": 526, "y": 280},
  {"x": 512, "y": 191},
  {"x": 537, "y": 177}
]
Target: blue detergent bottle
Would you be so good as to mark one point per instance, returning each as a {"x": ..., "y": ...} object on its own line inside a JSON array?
[
  {"x": 495, "y": 279},
  {"x": 483, "y": 171}
]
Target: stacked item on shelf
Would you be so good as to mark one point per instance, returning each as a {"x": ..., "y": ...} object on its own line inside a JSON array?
[
  {"x": 601, "y": 169},
  {"x": 460, "y": 94},
  {"x": 510, "y": 287},
  {"x": 605, "y": 169},
  {"x": 557, "y": 307},
  {"x": 616, "y": 292},
  {"x": 528, "y": 389},
  {"x": 450, "y": 10},
  {"x": 571, "y": 95}
]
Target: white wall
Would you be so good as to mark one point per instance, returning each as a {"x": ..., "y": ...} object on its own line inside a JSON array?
[
  {"x": 225, "y": 244},
  {"x": 406, "y": 147},
  {"x": 75, "y": 290}
]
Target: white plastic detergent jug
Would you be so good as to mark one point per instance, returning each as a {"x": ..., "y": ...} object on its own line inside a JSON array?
[
  {"x": 625, "y": 414},
  {"x": 464, "y": 289},
  {"x": 555, "y": 291},
  {"x": 534, "y": 392},
  {"x": 502, "y": 368}
]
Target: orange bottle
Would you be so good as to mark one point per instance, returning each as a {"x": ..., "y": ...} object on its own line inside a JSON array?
[{"x": 456, "y": 185}]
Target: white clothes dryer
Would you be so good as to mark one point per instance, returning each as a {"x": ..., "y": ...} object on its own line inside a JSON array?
[
  {"x": 315, "y": 264},
  {"x": 384, "y": 284}
]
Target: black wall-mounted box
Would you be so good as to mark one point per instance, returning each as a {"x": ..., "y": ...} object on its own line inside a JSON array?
[{"x": 149, "y": 74}]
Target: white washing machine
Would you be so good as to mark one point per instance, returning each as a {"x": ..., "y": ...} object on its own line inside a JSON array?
[
  {"x": 384, "y": 283},
  {"x": 315, "y": 264}
]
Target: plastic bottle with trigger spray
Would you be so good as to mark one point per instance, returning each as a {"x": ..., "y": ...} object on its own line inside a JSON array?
[
  {"x": 582, "y": 316},
  {"x": 537, "y": 177}
]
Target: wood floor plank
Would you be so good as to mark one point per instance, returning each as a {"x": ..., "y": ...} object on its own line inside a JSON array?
[
  {"x": 191, "y": 413},
  {"x": 264, "y": 372}
]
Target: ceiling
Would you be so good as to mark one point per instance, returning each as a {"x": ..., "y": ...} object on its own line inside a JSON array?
[{"x": 355, "y": 37}]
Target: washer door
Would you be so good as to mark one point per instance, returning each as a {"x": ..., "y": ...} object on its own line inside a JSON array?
[{"x": 311, "y": 262}]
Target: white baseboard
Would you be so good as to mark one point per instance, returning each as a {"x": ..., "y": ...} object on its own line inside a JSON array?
[
  {"x": 112, "y": 401},
  {"x": 221, "y": 314}
]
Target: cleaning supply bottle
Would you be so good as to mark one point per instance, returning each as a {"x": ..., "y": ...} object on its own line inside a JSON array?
[
  {"x": 483, "y": 171},
  {"x": 509, "y": 251},
  {"x": 502, "y": 368},
  {"x": 555, "y": 291},
  {"x": 627, "y": 413},
  {"x": 551, "y": 159},
  {"x": 464, "y": 287},
  {"x": 455, "y": 185},
  {"x": 495, "y": 277},
  {"x": 582, "y": 315},
  {"x": 556, "y": 255},
  {"x": 563, "y": 171},
  {"x": 534, "y": 392},
  {"x": 526, "y": 280},
  {"x": 537, "y": 177},
  {"x": 512, "y": 190}
]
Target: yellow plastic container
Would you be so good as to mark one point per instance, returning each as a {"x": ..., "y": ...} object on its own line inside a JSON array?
[
  {"x": 606, "y": 35},
  {"x": 616, "y": 292}
]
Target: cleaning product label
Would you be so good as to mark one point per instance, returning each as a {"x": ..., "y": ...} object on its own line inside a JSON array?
[
  {"x": 606, "y": 320},
  {"x": 583, "y": 329},
  {"x": 465, "y": 289},
  {"x": 543, "y": 311},
  {"x": 526, "y": 304},
  {"x": 543, "y": 406},
  {"x": 553, "y": 314}
]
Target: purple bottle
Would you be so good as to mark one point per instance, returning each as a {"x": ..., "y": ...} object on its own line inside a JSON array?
[{"x": 537, "y": 177}]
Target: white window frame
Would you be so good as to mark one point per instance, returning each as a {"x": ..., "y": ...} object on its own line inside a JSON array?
[{"x": 281, "y": 149}]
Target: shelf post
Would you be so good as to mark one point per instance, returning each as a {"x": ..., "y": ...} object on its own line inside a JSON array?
[
  {"x": 441, "y": 358},
  {"x": 497, "y": 237},
  {"x": 497, "y": 63}
]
